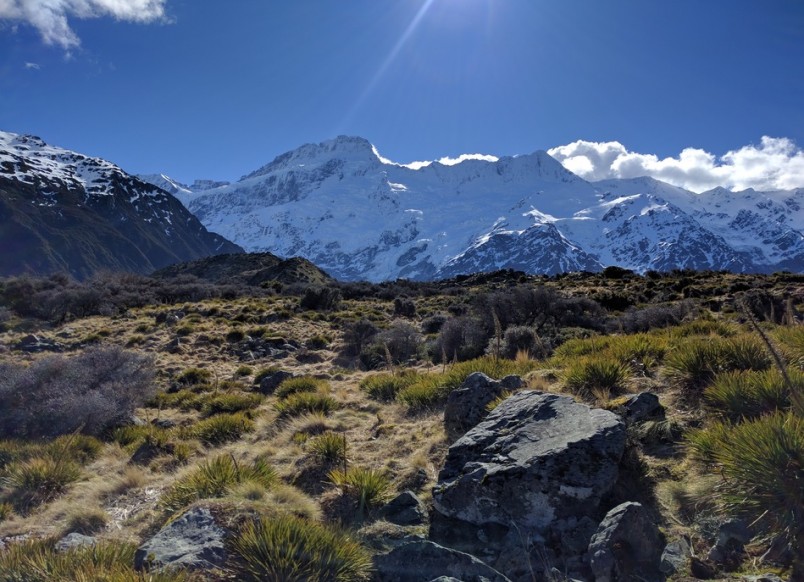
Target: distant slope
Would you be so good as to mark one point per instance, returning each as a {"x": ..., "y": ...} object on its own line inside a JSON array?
[
  {"x": 61, "y": 211},
  {"x": 249, "y": 269}
]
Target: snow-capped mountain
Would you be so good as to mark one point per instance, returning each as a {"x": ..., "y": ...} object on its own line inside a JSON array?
[
  {"x": 360, "y": 216},
  {"x": 63, "y": 211}
]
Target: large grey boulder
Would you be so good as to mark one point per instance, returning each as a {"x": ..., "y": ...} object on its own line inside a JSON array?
[
  {"x": 74, "y": 540},
  {"x": 405, "y": 509},
  {"x": 422, "y": 561},
  {"x": 675, "y": 557},
  {"x": 627, "y": 546},
  {"x": 466, "y": 405},
  {"x": 193, "y": 541},
  {"x": 530, "y": 476}
]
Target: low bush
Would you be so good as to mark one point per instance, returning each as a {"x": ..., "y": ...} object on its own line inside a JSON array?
[
  {"x": 194, "y": 376},
  {"x": 90, "y": 392},
  {"x": 320, "y": 298},
  {"x": 290, "y": 548},
  {"x": 434, "y": 323},
  {"x": 460, "y": 339},
  {"x": 216, "y": 478},
  {"x": 357, "y": 335}
]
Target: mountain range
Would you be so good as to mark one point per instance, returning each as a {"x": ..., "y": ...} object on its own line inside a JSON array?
[
  {"x": 61, "y": 211},
  {"x": 358, "y": 216}
]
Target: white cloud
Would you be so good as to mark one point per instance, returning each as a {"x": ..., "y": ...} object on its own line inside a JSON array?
[
  {"x": 50, "y": 17},
  {"x": 33, "y": 66},
  {"x": 774, "y": 164}
]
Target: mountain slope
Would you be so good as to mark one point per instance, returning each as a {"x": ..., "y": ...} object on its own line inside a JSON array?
[{"x": 61, "y": 211}]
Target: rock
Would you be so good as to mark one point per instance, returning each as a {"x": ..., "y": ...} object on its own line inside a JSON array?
[
  {"x": 192, "y": 541},
  {"x": 163, "y": 423},
  {"x": 270, "y": 382},
  {"x": 675, "y": 557},
  {"x": 405, "y": 509},
  {"x": 173, "y": 346},
  {"x": 626, "y": 546},
  {"x": 641, "y": 407},
  {"x": 423, "y": 561},
  {"x": 762, "y": 578},
  {"x": 74, "y": 540},
  {"x": 33, "y": 344},
  {"x": 445, "y": 579},
  {"x": 729, "y": 549},
  {"x": 535, "y": 469},
  {"x": 466, "y": 406},
  {"x": 702, "y": 569}
]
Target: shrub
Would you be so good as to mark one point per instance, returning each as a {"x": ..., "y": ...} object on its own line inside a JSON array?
[
  {"x": 303, "y": 402},
  {"x": 369, "y": 488},
  {"x": 330, "y": 447},
  {"x": 520, "y": 338},
  {"x": 400, "y": 343},
  {"x": 290, "y": 548},
  {"x": 596, "y": 377},
  {"x": 298, "y": 385},
  {"x": 461, "y": 338},
  {"x": 404, "y": 307},
  {"x": 89, "y": 392},
  {"x": 434, "y": 323},
  {"x": 654, "y": 316},
  {"x": 222, "y": 428},
  {"x": 216, "y": 478},
  {"x": 320, "y": 298},
  {"x": 356, "y": 336}
]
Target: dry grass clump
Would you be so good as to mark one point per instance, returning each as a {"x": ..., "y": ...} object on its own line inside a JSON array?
[
  {"x": 112, "y": 561},
  {"x": 367, "y": 487},
  {"x": 86, "y": 520},
  {"x": 306, "y": 403},
  {"x": 221, "y": 428},
  {"x": 596, "y": 377},
  {"x": 38, "y": 480},
  {"x": 289, "y": 548},
  {"x": 299, "y": 385},
  {"x": 748, "y": 394},
  {"x": 216, "y": 478},
  {"x": 329, "y": 448}
]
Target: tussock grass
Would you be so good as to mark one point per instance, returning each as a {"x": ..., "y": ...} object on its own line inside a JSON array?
[
  {"x": 596, "y": 377},
  {"x": 38, "y": 561},
  {"x": 385, "y": 387},
  {"x": 230, "y": 403},
  {"x": 329, "y": 447},
  {"x": 216, "y": 478},
  {"x": 369, "y": 488},
  {"x": 300, "y": 385},
  {"x": 306, "y": 402},
  {"x": 289, "y": 548},
  {"x": 762, "y": 462},
  {"x": 748, "y": 394},
  {"x": 220, "y": 429},
  {"x": 39, "y": 480},
  {"x": 432, "y": 389}
]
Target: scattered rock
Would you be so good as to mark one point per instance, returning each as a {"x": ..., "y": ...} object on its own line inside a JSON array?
[
  {"x": 535, "y": 469},
  {"x": 192, "y": 541},
  {"x": 163, "y": 423},
  {"x": 422, "y": 561},
  {"x": 641, "y": 407},
  {"x": 627, "y": 546},
  {"x": 702, "y": 569},
  {"x": 74, "y": 540},
  {"x": 762, "y": 578},
  {"x": 675, "y": 557},
  {"x": 270, "y": 382},
  {"x": 173, "y": 346},
  {"x": 405, "y": 509},
  {"x": 729, "y": 549},
  {"x": 466, "y": 406},
  {"x": 33, "y": 344}
]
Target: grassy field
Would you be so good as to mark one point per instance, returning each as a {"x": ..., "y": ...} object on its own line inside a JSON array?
[{"x": 362, "y": 418}]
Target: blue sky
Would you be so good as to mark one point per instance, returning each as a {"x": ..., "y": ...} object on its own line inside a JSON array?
[{"x": 212, "y": 89}]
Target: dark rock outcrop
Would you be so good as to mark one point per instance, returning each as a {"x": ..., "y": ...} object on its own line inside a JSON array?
[
  {"x": 529, "y": 477},
  {"x": 466, "y": 406},
  {"x": 405, "y": 509},
  {"x": 422, "y": 561}
]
